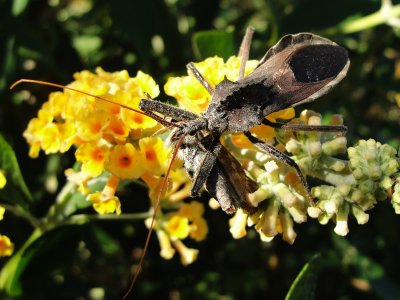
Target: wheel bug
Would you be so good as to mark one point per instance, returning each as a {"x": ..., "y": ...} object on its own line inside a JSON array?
[{"x": 298, "y": 69}]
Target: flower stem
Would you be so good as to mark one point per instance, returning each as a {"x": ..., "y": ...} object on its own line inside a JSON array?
[
  {"x": 18, "y": 211},
  {"x": 109, "y": 217},
  {"x": 363, "y": 23}
]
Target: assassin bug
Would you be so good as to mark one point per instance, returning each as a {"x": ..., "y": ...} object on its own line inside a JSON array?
[{"x": 298, "y": 69}]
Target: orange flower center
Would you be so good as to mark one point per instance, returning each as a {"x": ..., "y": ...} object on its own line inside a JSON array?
[
  {"x": 114, "y": 109},
  {"x": 125, "y": 161},
  {"x": 95, "y": 127},
  {"x": 118, "y": 129},
  {"x": 97, "y": 155},
  {"x": 138, "y": 119},
  {"x": 151, "y": 155}
]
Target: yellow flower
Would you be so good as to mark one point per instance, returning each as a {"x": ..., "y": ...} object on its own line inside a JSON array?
[
  {"x": 50, "y": 141},
  {"x": 191, "y": 95},
  {"x": 2, "y": 211},
  {"x": 67, "y": 136},
  {"x": 188, "y": 255},
  {"x": 116, "y": 131},
  {"x": 92, "y": 158},
  {"x": 90, "y": 127},
  {"x": 6, "y": 246},
  {"x": 105, "y": 205},
  {"x": 56, "y": 103},
  {"x": 79, "y": 178},
  {"x": 125, "y": 161},
  {"x": 232, "y": 67},
  {"x": 70, "y": 117},
  {"x": 198, "y": 229},
  {"x": 155, "y": 154},
  {"x": 135, "y": 120},
  {"x": 238, "y": 224},
  {"x": 177, "y": 227},
  {"x": 106, "y": 202},
  {"x": 142, "y": 84},
  {"x": 193, "y": 210},
  {"x": 167, "y": 251},
  {"x": 285, "y": 114},
  {"x": 3, "y": 179}
]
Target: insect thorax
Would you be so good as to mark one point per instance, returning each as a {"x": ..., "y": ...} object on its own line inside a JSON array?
[{"x": 236, "y": 107}]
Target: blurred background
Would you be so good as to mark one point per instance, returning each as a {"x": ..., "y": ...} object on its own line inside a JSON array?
[{"x": 52, "y": 39}]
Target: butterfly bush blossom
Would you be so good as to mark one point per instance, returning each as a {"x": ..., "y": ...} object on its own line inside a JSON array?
[
  {"x": 282, "y": 200},
  {"x": 6, "y": 246},
  {"x": 120, "y": 144}
]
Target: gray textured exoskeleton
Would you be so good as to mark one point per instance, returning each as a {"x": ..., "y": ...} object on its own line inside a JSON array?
[{"x": 298, "y": 69}]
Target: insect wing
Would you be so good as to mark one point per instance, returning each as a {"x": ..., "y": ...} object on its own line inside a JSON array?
[
  {"x": 299, "y": 69},
  {"x": 239, "y": 184}
]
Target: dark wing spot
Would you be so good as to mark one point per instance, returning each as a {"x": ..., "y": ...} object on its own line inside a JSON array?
[{"x": 318, "y": 62}]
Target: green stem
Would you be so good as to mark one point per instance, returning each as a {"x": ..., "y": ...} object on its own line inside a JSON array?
[
  {"x": 109, "y": 217},
  {"x": 56, "y": 214},
  {"x": 18, "y": 211},
  {"x": 378, "y": 18}
]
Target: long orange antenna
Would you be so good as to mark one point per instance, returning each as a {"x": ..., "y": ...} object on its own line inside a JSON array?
[
  {"x": 158, "y": 119},
  {"x": 164, "y": 184},
  {"x": 156, "y": 206}
]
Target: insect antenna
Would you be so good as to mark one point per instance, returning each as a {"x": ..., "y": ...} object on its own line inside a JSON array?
[
  {"x": 164, "y": 183},
  {"x": 156, "y": 206},
  {"x": 153, "y": 116}
]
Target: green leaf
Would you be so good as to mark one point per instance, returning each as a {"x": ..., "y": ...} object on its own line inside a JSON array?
[
  {"x": 40, "y": 254},
  {"x": 103, "y": 240},
  {"x": 213, "y": 42},
  {"x": 303, "y": 288},
  {"x": 74, "y": 200},
  {"x": 9, "y": 62},
  {"x": 18, "y": 7},
  {"x": 369, "y": 270},
  {"x": 88, "y": 46},
  {"x": 15, "y": 190}
]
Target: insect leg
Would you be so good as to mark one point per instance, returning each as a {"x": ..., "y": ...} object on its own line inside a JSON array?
[
  {"x": 204, "y": 169},
  {"x": 151, "y": 106},
  {"x": 304, "y": 127},
  {"x": 200, "y": 78},
  {"x": 280, "y": 156},
  {"x": 245, "y": 50}
]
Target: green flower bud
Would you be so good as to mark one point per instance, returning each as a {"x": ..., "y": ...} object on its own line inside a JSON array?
[
  {"x": 359, "y": 214},
  {"x": 396, "y": 198}
]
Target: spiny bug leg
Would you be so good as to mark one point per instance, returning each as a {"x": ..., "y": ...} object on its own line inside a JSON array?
[
  {"x": 244, "y": 51},
  {"x": 178, "y": 114},
  {"x": 281, "y": 157},
  {"x": 304, "y": 127},
  {"x": 200, "y": 78},
  {"x": 206, "y": 164}
]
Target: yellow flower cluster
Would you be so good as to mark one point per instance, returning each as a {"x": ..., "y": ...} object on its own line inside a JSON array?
[
  {"x": 6, "y": 246},
  {"x": 124, "y": 144},
  {"x": 188, "y": 91},
  {"x": 186, "y": 222},
  {"x": 107, "y": 137}
]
